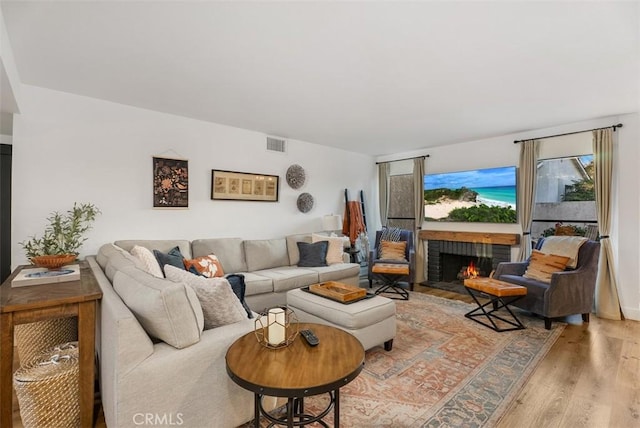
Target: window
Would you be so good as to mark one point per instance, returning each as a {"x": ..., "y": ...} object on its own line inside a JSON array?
[{"x": 565, "y": 196}]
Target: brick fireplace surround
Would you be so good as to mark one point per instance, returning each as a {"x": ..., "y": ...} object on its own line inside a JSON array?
[{"x": 491, "y": 248}]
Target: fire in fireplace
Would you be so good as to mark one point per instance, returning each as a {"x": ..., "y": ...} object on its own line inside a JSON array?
[{"x": 454, "y": 262}]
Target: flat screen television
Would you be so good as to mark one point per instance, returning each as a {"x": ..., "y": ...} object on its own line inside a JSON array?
[{"x": 482, "y": 195}]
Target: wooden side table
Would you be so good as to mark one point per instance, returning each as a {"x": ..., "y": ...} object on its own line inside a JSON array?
[
  {"x": 392, "y": 272},
  {"x": 21, "y": 305},
  {"x": 501, "y": 294},
  {"x": 297, "y": 371}
]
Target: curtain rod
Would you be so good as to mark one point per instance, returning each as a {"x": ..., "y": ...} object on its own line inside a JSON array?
[
  {"x": 619, "y": 125},
  {"x": 398, "y": 160}
]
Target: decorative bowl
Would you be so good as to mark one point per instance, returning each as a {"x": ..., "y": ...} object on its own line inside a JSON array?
[{"x": 55, "y": 261}]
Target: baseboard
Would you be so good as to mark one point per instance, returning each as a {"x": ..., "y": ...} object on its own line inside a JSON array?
[{"x": 631, "y": 313}]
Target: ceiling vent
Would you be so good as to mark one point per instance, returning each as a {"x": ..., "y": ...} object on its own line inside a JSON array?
[{"x": 275, "y": 144}]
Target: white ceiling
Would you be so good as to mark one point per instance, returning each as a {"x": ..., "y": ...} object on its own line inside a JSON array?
[{"x": 369, "y": 77}]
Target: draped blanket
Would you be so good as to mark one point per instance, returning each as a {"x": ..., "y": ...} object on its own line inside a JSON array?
[
  {"x": 564, "y": 246},
  {"x": 353, "y": 223}
]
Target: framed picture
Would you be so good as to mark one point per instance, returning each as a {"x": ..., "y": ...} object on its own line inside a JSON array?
[
  {"x": 244, "y": 186},
  {"x": 170, "y": 183}
]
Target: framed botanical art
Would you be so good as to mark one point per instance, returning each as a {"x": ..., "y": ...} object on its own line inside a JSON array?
[
  {"x": 244, "y": 186},
  {"x": 170, "y": 183}
]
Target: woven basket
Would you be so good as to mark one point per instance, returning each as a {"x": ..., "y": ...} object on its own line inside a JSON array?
[
  {"x": 47, "y": 388},
  {"x": 53, "y": 261},
  {"x": 34, "y": 338}
]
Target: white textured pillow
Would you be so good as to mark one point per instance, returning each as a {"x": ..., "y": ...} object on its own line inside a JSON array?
[
  {"x": 335, "y": 250},
  {"x": 220, "y": 305},
  {"x": 149, "y": 262}
]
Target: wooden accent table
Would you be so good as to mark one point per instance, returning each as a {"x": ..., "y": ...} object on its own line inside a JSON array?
[
  {"x": 21, "y": 305},
  {"x": 500, "y": 294},
  {"x": 297, "y": 371},
  {"x": 391, "y": 272}
]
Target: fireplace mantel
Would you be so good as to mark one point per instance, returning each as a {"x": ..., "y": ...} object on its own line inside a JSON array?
[{"x": 478, "y": 237}]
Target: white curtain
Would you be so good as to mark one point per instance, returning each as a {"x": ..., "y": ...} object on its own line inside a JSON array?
[
  {"x": 527, "y": 172},
  {"x": 418, "y": 213},
  {"x": 383, "y": 186},
  {"x": 607, "y": 301}
]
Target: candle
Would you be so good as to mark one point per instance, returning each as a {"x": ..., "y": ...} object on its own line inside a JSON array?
[{"x": 276, "y": 326}]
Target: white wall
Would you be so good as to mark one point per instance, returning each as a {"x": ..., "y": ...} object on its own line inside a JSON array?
[
  {"x": 69, "y": 148},
  {"x": 501, "y": 151}
]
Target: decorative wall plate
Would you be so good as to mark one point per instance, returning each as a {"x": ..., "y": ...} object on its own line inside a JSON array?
[
  {"x": 305, "y": 202},
  {"x": 295, "y": 176}
]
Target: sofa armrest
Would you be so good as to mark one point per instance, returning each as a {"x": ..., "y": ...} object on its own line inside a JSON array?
[
  {"x": 510, "y": 268},
  {"x": 571, "y": 292}
]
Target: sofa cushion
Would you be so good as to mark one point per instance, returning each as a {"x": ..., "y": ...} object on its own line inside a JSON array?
[
  {"x": 336, "y": 272},
  {"x": 207, "y": 266},
  {"x": 173, "y": 257},
  {"x": 312, "y": 255},
  {"x": 288, "y": 277},
  {"x": 163, "y": 245},
  {"x": 266, "y": 254},
  {"x": 148, "y": 260},
  {"x": 112, "y": 258},
  {"x": 542, "y": 266},
  {"x": 167, "y": 310},
  {"x": 335, "y": 249},
  {"x": 257, "y": 284},
  {"x": 220, "y": 305},
  {"x": 229, "y": 251}
]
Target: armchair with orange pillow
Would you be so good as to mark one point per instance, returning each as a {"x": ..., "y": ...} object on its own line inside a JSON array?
[
  {"x": 393, "y": 246},
  {"x": 557, "y": 285}
]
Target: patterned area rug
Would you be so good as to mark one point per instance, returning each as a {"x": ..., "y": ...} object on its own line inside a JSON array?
[{"x": 445, "y": 370}]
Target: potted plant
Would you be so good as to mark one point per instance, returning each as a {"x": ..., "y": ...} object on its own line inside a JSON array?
[{"x": 62, "y": 238}]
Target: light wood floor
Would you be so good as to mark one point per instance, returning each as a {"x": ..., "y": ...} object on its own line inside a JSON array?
[{"x": 589, "y": 378}]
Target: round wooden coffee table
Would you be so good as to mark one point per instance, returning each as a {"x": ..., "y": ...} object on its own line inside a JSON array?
[{"x": 297, "y": 371}]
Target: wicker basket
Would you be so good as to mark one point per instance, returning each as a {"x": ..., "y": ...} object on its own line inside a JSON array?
[
  {"x": 47, "y": 388},
  {"x": 55, "y": 261},
  {"x": 34, "y": 338}
]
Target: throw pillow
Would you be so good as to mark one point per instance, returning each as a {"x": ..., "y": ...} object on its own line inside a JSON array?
[
  {"x": 239, "y": 288},
  {"x": 207, "y": 266},
  {"x": 313, "y": 255},
  {"x": 391, "y": 250},
  {"x": 220, "y": 305},
  {"x": 148, "y": 260},
  {"x": 390, "y": 234},
  {"x": 335, "y": 249},
  {"x": 173, "y": 258},
  {"x": 542, "y": 266}
]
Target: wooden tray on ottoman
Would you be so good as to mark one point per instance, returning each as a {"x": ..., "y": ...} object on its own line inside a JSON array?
[{"x": 338, "y": 291}]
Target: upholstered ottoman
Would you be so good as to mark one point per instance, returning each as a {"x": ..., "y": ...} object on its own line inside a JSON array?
[{"x": 372, "y": 321}]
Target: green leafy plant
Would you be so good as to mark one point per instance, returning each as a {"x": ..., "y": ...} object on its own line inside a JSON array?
[
  {"x": 483, "y": 214},
  {"x": 65, "y": 232}
]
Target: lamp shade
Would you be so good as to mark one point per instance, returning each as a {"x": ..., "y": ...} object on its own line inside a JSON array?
[{"x": 332, "y": 222}]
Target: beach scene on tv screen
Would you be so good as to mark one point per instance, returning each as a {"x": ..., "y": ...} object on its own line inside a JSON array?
[{"x": 482, "y": 195}]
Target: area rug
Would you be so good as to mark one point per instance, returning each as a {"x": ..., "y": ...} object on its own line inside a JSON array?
[{"x": 445, "y": 370}]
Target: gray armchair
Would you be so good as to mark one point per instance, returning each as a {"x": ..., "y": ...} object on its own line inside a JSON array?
[{"x": 570, "y": 292}]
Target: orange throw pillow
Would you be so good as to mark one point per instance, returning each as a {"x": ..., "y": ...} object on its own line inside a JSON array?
[
  {"x": 393, "y": 250},
  {"x": 542, "y": 265},
  {"x": 207, "y": 266}
]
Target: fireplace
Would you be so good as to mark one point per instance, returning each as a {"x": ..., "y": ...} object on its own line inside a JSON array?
[{"x": 448, "y": 260}]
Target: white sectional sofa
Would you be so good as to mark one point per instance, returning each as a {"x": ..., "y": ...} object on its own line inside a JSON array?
[{"x": 182, "y": 379}]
